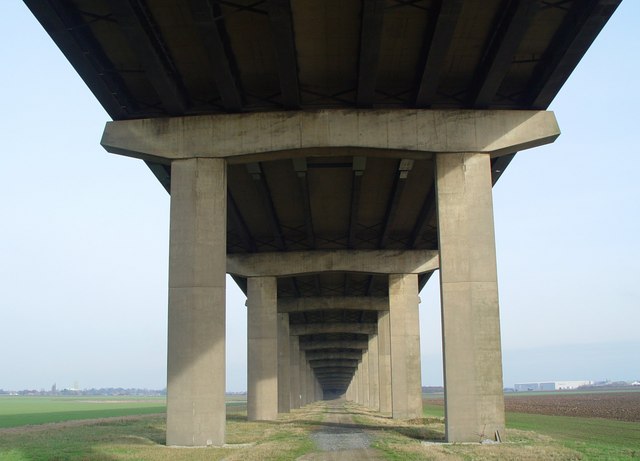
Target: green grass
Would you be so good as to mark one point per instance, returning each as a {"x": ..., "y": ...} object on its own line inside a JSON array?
[
  {"x": 596, "y": 438},
  {"x": 144, "y": 439},
  {"x": 593, "y": 438},
  {"x": 20, "y": 411}
]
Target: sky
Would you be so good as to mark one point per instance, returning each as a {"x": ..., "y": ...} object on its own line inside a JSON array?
[{"x": 84, "y": 234}]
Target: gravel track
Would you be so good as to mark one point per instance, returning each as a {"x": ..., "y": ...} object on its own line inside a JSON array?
[{"x": 340, "y": 438}]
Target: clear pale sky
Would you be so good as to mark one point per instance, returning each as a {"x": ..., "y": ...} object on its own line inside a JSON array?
[{"x": 84, "y": 234}]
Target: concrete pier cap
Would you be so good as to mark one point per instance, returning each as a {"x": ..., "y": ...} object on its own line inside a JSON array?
[{"x": 245, "y": 138}]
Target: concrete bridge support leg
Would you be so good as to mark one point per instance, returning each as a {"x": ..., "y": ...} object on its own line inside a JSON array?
[
  {"x": 294, "y": 371},
  {"x": 374, "y": 381},
  {"x": 310, "y": 389},
  {"x": 364, "y": 365},
  {"x": 405, "y": 346},
  {"x": 384, "y": 362},
  {"x": 303, "y": 379},
  {"x": 262, "y": 335},
  {"x": 474, "y": 402},
  {"x": 196, "y": 329},
  {"x": 284, "y": 365}
]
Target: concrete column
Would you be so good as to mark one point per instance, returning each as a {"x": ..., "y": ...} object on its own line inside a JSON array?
[
  {"x": 294, "y": 371},
  {"x": 474, "y": 401},
  {"x": 310, "y": 378},
  {"x": 303, "y": 379},
  {"x": 406, "y": 388},
  {"x": 384, "y": 362},
  {"x": 374, "y": 379},
  {"x": 262, "y": 350},
  {"x": 365, "y": 378},
  {"x": 360, "y": 384},
  {"x": 196, "y": 327},
  {"x": 284, "y": 365}
]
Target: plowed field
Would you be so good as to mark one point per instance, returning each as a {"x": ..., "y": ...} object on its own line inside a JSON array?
[{"x": 622, "y": 406}]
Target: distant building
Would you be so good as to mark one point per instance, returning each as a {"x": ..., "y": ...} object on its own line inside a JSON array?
[
  {"x": 551, "y": 386},
  {"x": 524, "y": 387}
]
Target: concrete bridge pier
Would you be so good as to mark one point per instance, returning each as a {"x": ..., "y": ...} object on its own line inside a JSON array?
[
  {"x": 464, "y": 143},
  {"x": 474, "y": 401},
  {"x": 262, "y": 350},
  {"x": 284, "y": 364},
  {"x": 374, "y": 379},
  {"x": 384, "y": 362},
  {"x": 294, "y": 371},
  {"x": 406, "y": 387},
  {"x": 196, "y": 330}
]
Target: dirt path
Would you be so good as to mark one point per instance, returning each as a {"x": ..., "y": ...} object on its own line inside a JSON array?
[{"x": 340, "y": 438}]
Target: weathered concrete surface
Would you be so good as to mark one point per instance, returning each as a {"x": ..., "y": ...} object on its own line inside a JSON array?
[
  {"x": 470, "y": 314},
  {"x": 325, "y": 303},
  {"x": 262, "y": 350},
  {"x": 312, "y": 346},
  {"x": 336, "y": 363},
  {"x": 374, "y": 379},
  {"x": 318, "y": 328},
  {"x": 275, "y": 135},
  {"x": 284, "y": 364},
  {"x": 406, "y": 377},
  {"x": 303, "y": 379},
  {"x": 320, "y": 354},
  {"x": 294, "y": 370},
  {"x": 196, "y": 328},
  {"x": 384, "y": 362},
  {"x": 296, "y": 263},
  {"x": 364, "y": 366}
]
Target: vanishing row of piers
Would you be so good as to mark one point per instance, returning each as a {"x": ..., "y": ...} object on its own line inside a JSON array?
[{"x": 285, "y": 370}]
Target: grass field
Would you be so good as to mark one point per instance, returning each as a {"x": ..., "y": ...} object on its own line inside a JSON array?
[
  {"x": 530, "y": 436},
  {"x": 592, "y": 438},
  {"x": 143, "y": 438},
  {"x": 21, "y": 411}
]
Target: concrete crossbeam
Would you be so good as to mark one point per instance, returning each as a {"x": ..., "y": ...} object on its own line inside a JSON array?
[
  {"x": 320, "y": 373},
  {"x": 298, "y": 263},
  {"x": 318, "y": 355},
  {"x": 319, "y": 328},
  {"x": 325, "y": 303},
  {"x": 333, "y": 363},
  {"x": 331, "y": 368},
  {"x": 263, "y": 136},
  {"x": 333, "y": 344}
]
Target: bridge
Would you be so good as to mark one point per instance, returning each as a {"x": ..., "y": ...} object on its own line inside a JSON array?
[{"x": 329, "y": 155}]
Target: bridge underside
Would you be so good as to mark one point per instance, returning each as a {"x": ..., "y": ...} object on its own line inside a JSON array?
[{"x": 330, "y": 156}]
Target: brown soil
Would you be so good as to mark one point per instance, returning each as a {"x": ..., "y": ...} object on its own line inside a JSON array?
[{"x": 622, "y": 406}]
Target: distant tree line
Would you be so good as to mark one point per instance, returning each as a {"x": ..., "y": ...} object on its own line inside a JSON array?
[{"x": 104, "y": 391}]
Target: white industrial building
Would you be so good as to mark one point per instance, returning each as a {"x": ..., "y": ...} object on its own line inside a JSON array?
[{"x": 551, "y": 386}]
